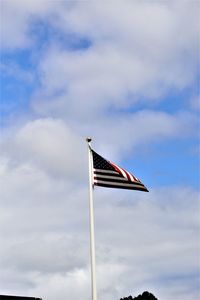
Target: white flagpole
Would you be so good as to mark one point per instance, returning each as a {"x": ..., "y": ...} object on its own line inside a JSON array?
[{"x": 92, "y": 239}]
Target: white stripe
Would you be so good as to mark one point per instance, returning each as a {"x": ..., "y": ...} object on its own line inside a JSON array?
[
  {"x": 106, "y": 171},
  {"x": 115, "y": 172},
  {"x": 118, "y": 184},
  {"x": 110, "y": 177},
  {"x": 131, "y": 176},
  {"x": 122, "y": 171}
]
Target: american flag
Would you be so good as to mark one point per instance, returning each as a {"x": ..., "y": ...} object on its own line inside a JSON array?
[{"x": 108, "y": 174}]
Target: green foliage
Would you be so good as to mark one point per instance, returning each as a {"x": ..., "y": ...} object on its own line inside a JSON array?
[{"x": 145, "y": 296}]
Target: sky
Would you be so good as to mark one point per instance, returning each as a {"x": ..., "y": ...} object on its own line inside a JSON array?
[{"x": 125, "y": 73}]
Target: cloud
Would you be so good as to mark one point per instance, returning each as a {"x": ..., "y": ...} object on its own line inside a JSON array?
[
  {"x": 10, "y": 70},
  {"x": 128, "y": 59},
  {"x": 194, "y": 101},
  {"x": 59, "y": 148},
  {"x": 70, "y": 285},
  {"x": 127, "y": 132},
  {"x": 133, "y": 54},
  {"x": 51, "y": 145},
  {"x": 14, "y": 32},
  {"x": 140, "y": 239}
]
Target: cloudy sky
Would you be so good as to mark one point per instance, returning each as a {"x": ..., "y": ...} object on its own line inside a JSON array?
[{"x": 125, "y": 73}]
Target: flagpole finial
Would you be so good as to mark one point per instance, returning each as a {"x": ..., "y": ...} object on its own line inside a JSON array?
[{"x": 88, "y": 139}]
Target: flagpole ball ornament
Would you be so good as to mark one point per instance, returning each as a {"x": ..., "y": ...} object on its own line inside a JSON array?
[{"x": 88, "y": 139}]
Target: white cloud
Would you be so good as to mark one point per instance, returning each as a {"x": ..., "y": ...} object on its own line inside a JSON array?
[
  {"x": 70, "y": 285},
  {"x": 144, "y": 241},
  {"x": 52, "y": 145},
  {"x": 13, "y": 70},
  {"x": 60, "y": 149},
  {"x": 195, "y": 103},
  {"x": 138, "y": 50},
  {"x": 118, "y": 135},
  {"x": 45, "y": 231},
  {"x": 14, "y": 31},
  {"x": 141, "y": 239}
]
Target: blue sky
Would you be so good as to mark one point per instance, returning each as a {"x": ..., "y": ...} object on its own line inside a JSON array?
[
  {"x": 127, "y": 75},
  {"x": 19, "y": 77}
]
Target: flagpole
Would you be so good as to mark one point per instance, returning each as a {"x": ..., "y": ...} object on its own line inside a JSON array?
[{"x": 92, "y": 238}]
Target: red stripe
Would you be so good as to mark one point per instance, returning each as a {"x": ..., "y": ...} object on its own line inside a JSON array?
[
  {"x": 119, "y": 171},
  {"x": 127, "y": 174},
  {"x": 129, "y": 178},
  {"x": 134, "y": 178}
]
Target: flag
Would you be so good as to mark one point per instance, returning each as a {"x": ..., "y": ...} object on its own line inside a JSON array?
[{"x": 108, "y": 174}]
